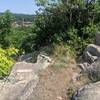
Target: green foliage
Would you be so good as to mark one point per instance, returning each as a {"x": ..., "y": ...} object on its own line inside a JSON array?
[
  {"x": 11, "y": 36},
  {"x": 11, "y": 52},
  {"x": 28, "y": 43},
  {"x": 70, "y": 21},
  {"x": 91, "y": 30},
  {"x": 73, "y": 23},
  {"x": 6, "y": 62},
  {"x": 17, "y": 36},
  {"x": 5, "y": 29}
]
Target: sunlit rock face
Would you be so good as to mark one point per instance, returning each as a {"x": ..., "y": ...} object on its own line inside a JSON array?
[
  {"x": 88, "y": 92},
  {"x": 43, "y": 61},
  {"x": 23, "y": 79}
]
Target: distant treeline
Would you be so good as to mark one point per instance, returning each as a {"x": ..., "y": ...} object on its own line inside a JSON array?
[{"x": 20, "y": 17}]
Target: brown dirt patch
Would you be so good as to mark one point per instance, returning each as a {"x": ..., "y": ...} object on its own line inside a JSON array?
[{"x": 55, "y": 84}]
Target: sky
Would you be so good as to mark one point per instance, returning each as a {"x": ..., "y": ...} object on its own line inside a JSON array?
[{"x": 18, "y": 6}]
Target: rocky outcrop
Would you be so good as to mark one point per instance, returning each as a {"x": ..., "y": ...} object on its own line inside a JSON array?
[
  {"x": 91, "y": 53},
  {"x": 90, "y": 67},
  {"x": 92, "y": 70},
  {"x": 91, "y": 62},
  {"x": 88, "y": 92},
  {"x": 23, "y": 79}
]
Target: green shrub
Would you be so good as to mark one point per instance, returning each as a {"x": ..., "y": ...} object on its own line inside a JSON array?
[
  {"x": 6, "y": 62},
  {"x": 5, "y": 29},
  {"x": 18, "y": 36},
  {"x": 72, "y": 22}
]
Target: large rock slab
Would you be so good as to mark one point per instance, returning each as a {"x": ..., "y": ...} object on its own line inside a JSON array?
[
  {"x": 88, "y": 92},
  {"x": 23, "y": 79}
]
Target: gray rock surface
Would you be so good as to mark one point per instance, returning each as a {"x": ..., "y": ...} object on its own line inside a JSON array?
[
  {"x": 31, "y": 57},
  {"x": 23, "y": 79},
  {"x": 90, "y": 67},
  {"x": 92, "y": 70},
  {"x": 91, "y": 53},
  {"x": 88, "y": 92}
]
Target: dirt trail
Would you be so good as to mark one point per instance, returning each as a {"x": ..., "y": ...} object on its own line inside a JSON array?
[{"x": 54, "y": 84}]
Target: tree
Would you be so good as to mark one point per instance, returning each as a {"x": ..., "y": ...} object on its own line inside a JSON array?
[
  {"x": 5, "y": 28},
  {"x": 68, "y": 21}
]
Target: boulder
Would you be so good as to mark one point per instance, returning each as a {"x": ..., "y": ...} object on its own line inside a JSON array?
[
  {"x": 91, "y": 53},
  {"x": 92, "y": 70},
  {"x": 23, "y": 79},
  {"x": 31, "y": 57},
  {"x": 88, "y": 92}
]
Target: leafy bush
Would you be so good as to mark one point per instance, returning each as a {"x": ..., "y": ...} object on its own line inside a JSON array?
[
  {"x": 5, "y": 29},
  {"x": 11, "y": 51},
  {"x": 27, "y": 44},
  {"x": 6, "y": 62},
  {"x": 71, "y": 22},
  {"x": 18, "y": 36}
]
